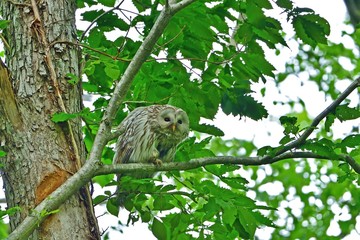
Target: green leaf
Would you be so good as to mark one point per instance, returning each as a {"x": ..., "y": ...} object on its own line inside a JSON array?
[
  {"x": 91, "y": 15},
  {"x": 285, "y": 120},
  {"x": 236, "y": 182},
  {"x": 289, "y": 124},
  {"x": 167, "y": 188},
  {"x": 286, "y": 139},
  {"x": 10, "y": 211},
  {"x": 263, "y": 4},
  {"x": 4, "y": 24},
  {"x": 298, "y": 10},
  {"x": 2, "y": 153},
  {"x": 112, "y": 207},
  {"x": 99, "y": 199},
  {"x": 209, "y": 129},
  {"x": 345, "y": 167},
  {"x": 248, "y": 221},
  {"x": 311, "y": 29},
  {"x": 329, "y": 121},
  {"x": 229, "y": 214},
  {"x": 62, "y": 117},
  {"x": 267, "y": 151},
  {"x": 320, "y": 147},
  {"x": 104, "y": 180},
  {"x": 145, "y": 217},
  {"x": 255, "y": 15},
  {"x": 344, "y": 113},
  {"x": 355, "y": 153},
  {"x": 236, "y": 103},
  {"x": 351, "y": 141},
  {"x": 163, "y": 202},
  {"x": 220, "y": 170},
  {"x": 262, "y": 219},
  {"x": 219, "y": 230},
  {"x": 142, "y": 5},
  {"x": 112, "y": 71},
  {"x": 159, "y": 230},
  {"x": 107, "y": 3},
  {"x": 285, "y": 4},
  {"x": 241, "y": 230}
]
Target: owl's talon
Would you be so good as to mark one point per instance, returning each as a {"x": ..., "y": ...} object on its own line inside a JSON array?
[{"x": 157, "y": 162}]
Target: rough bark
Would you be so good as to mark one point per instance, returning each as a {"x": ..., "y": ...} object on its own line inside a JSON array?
[{"x": 42, "y": 155}]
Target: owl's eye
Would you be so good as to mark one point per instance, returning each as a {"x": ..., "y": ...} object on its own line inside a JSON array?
[
  {"x": 179, "y": 121},
  {"x": 167, "y": 119}
]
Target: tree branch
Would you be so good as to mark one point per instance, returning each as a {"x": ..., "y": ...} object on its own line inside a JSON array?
[
  {"x": 84, "y": 175},
  {"x": 296, "y": 143},
  {"x": 351, "y": 162},
  {"x": 201, "y": 162},
  {"x": 97, "y": 18}
]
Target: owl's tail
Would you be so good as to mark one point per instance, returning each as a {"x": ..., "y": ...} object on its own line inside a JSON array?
[{"x": 120, "y": 195}]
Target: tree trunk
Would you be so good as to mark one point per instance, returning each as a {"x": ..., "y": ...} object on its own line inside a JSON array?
[{"x": 42, "y": 154}]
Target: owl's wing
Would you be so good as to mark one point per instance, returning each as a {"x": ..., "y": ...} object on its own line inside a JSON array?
[
  {"x": 166, "y": 153},
  {"x": 125, "y": 143},
  {"x": 123, "y": 150}
]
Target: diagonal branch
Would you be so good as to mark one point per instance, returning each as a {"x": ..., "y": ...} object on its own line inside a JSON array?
[{"x": 296, "y": 143}]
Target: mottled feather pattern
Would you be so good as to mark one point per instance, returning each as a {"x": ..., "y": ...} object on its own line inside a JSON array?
[{"x": 151, "y": 134}]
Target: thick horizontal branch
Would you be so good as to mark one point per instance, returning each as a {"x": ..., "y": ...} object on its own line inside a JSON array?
[{"x": 201, "y": 162}]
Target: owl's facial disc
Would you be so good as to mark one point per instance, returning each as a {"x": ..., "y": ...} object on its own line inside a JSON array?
[
  {"x": 174, "y": 121},
  {"x": 167, "y": 118},
  {"x": 170, "y": 122}
]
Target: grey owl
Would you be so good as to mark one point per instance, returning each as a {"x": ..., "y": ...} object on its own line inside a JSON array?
[{"x": 150, "y": 135}]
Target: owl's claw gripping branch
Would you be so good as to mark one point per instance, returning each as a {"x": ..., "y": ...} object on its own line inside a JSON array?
[{"x": 157, "y": 162}]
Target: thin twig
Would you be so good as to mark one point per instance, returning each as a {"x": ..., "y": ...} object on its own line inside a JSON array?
[
  {"x": 175, "y": 37},
  {"x": 6, "y": 44},
  {"x": 148, "y": 60},
  {"x": 97, "y": 18},
  {"x": 92, "y": 49},
  {"x": 125, "y": 10}
]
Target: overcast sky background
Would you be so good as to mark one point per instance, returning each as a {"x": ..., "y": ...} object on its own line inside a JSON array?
[{"x": 268, "y": 131}]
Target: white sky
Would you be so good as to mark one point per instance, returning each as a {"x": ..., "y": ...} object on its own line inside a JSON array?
[{"x": 266, "y": 132}]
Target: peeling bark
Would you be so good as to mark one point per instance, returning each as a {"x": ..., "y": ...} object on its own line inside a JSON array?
[{"x": 42, "y": 155}]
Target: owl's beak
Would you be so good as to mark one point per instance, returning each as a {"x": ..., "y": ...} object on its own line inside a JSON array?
[{"x": 173, "y": 127}]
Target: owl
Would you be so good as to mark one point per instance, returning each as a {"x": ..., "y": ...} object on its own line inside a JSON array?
[{"x": 150, "y": 135}]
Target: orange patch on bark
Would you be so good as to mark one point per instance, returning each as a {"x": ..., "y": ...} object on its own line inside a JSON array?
[{"x": 49, "y": 184}]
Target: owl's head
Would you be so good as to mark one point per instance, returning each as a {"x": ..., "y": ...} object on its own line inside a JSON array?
[{"x": 174, "y": 120}]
